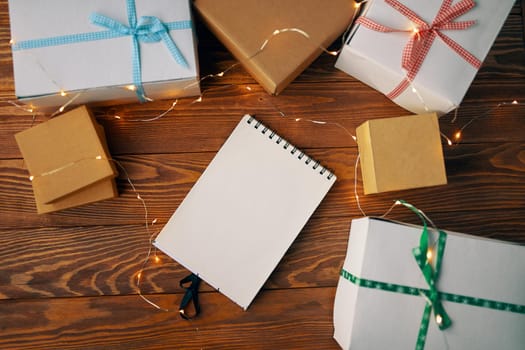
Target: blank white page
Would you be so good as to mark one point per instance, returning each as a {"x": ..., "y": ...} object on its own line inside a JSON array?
[{"x": 244, "y": 212}]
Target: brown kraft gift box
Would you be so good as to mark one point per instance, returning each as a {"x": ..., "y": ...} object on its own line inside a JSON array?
[
  {"x": 68, "y": 161},
  {"x": 243, "y": 26},
  {"x": 401, "y": 153}
]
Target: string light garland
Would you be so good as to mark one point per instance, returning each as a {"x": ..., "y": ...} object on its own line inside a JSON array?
[
  {"x": 148, "y": 226},
  {"x": 151, "y": 254},
  {"x": 458, "y": 134}
]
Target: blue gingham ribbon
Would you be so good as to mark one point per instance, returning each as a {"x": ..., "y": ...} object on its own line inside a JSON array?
[{"x": 147, "y": 29}]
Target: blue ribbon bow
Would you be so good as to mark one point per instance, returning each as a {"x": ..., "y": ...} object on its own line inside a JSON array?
[{"x": 147, "y": 29}]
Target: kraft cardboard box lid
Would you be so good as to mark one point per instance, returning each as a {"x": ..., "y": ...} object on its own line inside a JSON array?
[
  {"x": 401, "y": 153},
  {"x": 65, "y": 154},
  {"x": 243, "y": 26},
  {"x": 99, "y": 191}
]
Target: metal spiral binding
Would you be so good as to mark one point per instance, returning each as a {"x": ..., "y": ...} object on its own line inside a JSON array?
[{"x": 264, "y": 130}]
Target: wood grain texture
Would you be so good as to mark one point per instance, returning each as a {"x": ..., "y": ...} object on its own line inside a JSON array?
[
  {"x": 68, "y": 279},
  {"x": 492, "y": 171},
  {"x": 284, "y": 319}
]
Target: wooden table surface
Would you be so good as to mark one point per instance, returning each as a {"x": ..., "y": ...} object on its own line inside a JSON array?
[{"x": 67, "y": 280}]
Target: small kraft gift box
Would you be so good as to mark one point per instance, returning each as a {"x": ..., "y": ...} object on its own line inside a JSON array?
[
  {"x": 401, "y": 153},
  {"x": 423, "y": 55},
  {"x": 306, "y": 25},
  {"x": 68, "y": 161},
  {"x": 411, "y": 287},
  {"x": 105, "y": 51}
]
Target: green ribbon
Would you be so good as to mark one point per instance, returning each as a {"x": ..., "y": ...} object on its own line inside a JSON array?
[{"x": 431, "y": 273}]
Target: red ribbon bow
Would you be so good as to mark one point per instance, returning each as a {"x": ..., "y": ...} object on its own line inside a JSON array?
[{"x": 423, "y": 36}]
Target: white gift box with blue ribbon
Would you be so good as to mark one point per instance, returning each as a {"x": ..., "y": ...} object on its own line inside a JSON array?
[{"x": 102, "y": 51}]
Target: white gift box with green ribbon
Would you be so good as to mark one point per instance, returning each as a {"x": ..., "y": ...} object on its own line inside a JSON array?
[
  {"x": 384, "y": 300},
  {"x": 102, "y": 50}
]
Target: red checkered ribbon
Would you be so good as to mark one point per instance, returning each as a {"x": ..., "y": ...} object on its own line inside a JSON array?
[{"x": 423, "y": 35}]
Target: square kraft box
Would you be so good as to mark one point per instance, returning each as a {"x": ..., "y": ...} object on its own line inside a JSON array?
[
  {"x": 401, "y": 153},
  {"x": 473, "y": 269},
  {"x": 244, "y": 25},
  {"x": 375, "y": 57},
  {"x": 68, "y": 161},
  {"x": 57, "y": 48}
]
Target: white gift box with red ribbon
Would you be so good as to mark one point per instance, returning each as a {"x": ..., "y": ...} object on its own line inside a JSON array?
[{"x": 422, "y": 54}]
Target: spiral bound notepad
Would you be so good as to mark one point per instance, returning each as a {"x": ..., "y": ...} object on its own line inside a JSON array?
[{"x": 245, "y": 211}]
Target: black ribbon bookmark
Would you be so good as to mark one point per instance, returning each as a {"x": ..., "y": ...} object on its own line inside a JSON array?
[{"x": 192, "y": 294}]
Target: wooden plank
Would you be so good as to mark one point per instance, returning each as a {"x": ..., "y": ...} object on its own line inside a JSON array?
[
  {"x": 522, "y": 15},
  {"x": 67, "y": 280},
  {"x": 104, "y": 260},
  {"x": 282, "y": 319},
  {"x": 346, "y": 107},
  {"x": 481, "y": 177}
]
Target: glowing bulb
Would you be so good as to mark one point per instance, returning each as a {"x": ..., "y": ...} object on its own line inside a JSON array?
[
  {"x": 457, "y": 135},
  {"x": 131, "y": 87},
  {"x": 138, "y": 196},
  {"x": 297, "y": 119},
  {"x": 157, "y": 259},
  {"x": 139, "y": 275},
  {"x": 154, "y": 221},
  {"x": 221, "y": 74},
  {"x": 61, "y": 109},
  {"x": 98, "y": 157},
  {"x": 11, "y": 42},
  {"x": 31, "y": 178},
  {"x": 515, "y": 102},
  {"x": 414, "y": 90},
  {"x": 275, "y": 32},
  {"x": 30, "y": 110},
  {"x": 199, "y": 99},
  {"x": 415, "y": 31},
  {"x": 449, "y": 142},
  {"x": 357, "y": 5},
  {"x": 439, "y": 319},
  {"x": 118, "y": 117},
  {"x": 63, "y": 93},
  {"x": 429, "y": 254},
  {"x": 333, "y": 53},
  {"x": 248, "y": 88},
  {"x": 355, "y": 138}
]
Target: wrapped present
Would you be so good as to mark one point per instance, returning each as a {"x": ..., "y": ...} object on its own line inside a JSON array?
[
  {"x": 401, "y": 153},
  {"x": 406, "y": 287},
  {"x": 68, "y": 161},
  {"x": 422, "y": 54},
  {"x": 102, "y": 50},
  {"x": 244, "y": 25}
]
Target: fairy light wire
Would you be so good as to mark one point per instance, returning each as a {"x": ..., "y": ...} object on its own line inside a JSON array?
[
  {"x": 140, "y": 274},
  {"x": 151, "y": 235},
  {"x": 458, "y": 134}
]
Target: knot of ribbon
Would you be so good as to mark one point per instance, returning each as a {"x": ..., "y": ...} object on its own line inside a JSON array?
[
  {"x": 429, "y": 261},
  {"x": 423, "y": 35},
  {"x": 147, "y": 29},
  {"x": 191, "y": 295}
]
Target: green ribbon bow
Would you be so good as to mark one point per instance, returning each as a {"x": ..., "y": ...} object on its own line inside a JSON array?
[{"x": 424, "y": 258}]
